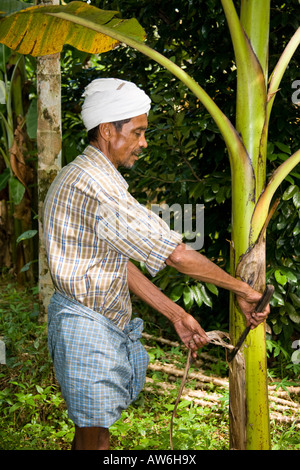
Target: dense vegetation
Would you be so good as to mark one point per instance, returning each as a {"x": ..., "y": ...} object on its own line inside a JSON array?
[
  {"x": 34, "y": 417},
  {"x": 185, "y": 163}
]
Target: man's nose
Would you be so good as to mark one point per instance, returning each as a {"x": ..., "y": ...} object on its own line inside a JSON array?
[{"x": 143, "y": 142}]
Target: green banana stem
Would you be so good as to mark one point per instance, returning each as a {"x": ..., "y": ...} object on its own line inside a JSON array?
[
  {"x": 251, "y": 88},
  {"x": 254, "y": 16}
]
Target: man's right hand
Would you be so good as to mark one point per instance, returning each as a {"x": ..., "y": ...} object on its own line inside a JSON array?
[{"x": 191, "y": 333}]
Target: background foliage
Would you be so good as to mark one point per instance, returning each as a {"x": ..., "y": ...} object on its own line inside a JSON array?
[{"x": 186, "y": 160}]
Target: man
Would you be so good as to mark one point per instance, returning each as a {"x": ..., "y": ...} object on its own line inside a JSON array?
[{"x": 93, "y": 227}]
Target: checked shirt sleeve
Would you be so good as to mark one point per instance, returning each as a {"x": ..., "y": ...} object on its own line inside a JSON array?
[{"x": 136, "y": 232}]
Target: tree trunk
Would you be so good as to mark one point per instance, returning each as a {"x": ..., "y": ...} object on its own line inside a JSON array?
[{"x": 49, "y": 151}]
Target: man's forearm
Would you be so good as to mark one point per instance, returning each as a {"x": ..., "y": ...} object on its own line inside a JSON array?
[
  {"x": 199, "y": 267},
  {"x": 145, "y": 290}
]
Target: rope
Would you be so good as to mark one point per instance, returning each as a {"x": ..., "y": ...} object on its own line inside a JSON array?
[{"x": 215, "y": 337}]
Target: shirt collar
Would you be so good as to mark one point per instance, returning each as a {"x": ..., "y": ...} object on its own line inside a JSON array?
[{"x": 103, "y": 162}]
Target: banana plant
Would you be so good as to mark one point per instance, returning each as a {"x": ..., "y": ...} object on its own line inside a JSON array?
[
  {"x": 17, "y": 189},
  {"x": 15, "y": 175},
  {"x": 35, "y": 31}
]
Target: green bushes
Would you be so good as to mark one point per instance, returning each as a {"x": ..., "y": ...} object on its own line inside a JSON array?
[{"x": 33, "y": 414}]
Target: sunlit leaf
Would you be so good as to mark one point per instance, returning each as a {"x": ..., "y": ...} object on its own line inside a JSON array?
[
  {"x": 188, "y": 297},
  {"x": 206, "y": 298},
  {"x": 197, "y": 295},
  {"x": 43, "y": 30},
  {"x": 280, "y": 278},
  {"x": 212, "y": 288}
]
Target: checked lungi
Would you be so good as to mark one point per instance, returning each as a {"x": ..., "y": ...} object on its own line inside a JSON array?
[{"x": 100, "y": 368}]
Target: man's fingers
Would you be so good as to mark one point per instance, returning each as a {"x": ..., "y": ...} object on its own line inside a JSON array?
[
  {"x": 259, "y": 317},
  {"x": 198, "y": 341}
]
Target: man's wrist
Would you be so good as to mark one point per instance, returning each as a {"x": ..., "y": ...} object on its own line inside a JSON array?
[
  {"x": 178, "y": 315},
  {"x": 245, "y": 291}
]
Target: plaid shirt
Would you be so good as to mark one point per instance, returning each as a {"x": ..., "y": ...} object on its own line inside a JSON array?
[{"x": 92, "y": 227}]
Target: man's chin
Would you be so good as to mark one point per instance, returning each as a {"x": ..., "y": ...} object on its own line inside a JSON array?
[{"x": 130, "y": 163}]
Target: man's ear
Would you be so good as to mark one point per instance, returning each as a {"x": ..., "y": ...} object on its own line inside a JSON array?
[{"x": 105, "y": 130}]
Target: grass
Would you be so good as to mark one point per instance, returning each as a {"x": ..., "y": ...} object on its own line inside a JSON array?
[{"x": 33, "y": 415}]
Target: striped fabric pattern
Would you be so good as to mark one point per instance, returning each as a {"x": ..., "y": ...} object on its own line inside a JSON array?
[{"x": 92, "y": 227}]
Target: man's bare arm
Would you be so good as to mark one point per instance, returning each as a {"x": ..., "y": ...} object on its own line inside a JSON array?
[
  {"x": 185, "y": 325},
  {"x": 197, "y": 266}
]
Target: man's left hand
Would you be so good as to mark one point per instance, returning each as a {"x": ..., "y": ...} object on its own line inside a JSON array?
[{"x": 247, "y": 305}]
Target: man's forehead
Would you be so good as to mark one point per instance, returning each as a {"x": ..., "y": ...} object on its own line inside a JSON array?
[{"x": 139, "y": 122}]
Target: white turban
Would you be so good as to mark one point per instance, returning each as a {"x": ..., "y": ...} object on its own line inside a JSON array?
[{"x": 112, "y": 99}]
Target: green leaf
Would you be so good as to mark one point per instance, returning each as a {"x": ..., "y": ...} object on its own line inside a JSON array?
[
  {"x": 197, "y": 295},
  {"x": 39, "y": 389},
  {"x": 280, "y": 278},
  {"x": 176, "y": 293},
  {"x": 2, "y": 92},
  {"x": 296, "y": 230},
  {"x": 292, "y": 313},
  {"x": 188, "y": 297},
  {"x": 212, "y": 288},
  {"x": 277, "y": 328},
  {"x": 27, "y": 266},
  {"x": 296, "y": 199},
  {"x": 288, "y": 273},
  {"x": 4, "y": 178},
  {"x": 43, "y": 30},
  {"x": 9, "y": 6},
  {"x": 16, "y": 190},
  {"x": 291, "y": 276},
  {"x": 295, "y": 299},
  {"x": 31, "y": 119},
  {"x": 277, "y": 299},
  {"x": 290, "y": 192},
  {"x": 26, "y": 235},
  {"x": 14, "y": 407},
  {"x": 206, "y": 298},
  {"x": 284, "y": 148}
]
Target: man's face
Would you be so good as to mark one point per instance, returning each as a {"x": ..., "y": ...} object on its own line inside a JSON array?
[{"x": 125, "y": 145}]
